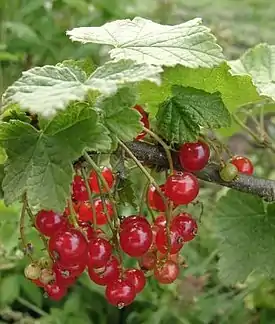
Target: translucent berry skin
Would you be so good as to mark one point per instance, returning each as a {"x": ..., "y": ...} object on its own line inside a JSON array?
[
  {"x": 100, "y": 252},
  {"x": 101, "y": 217},
  {"x": 136, "y": 277},
  {"x": 167, "y": 272},
  {"x": 69, "y": 247},
  {"x": 107, "y": 274},
  {"x": 176, "y": 241},
  {"x": 148, "y": 261},
  {"x": 132, "y": 220},
  {"x": 55, "y": 292},
  {"x": 88, "y": 230},
  {"x": 48, "y": 222},
  {"x": 80, "y": 192},
  {"x": 74, "y": 270},
  {"x": 185, "y": 225},
  {"x": 243, "y": 164},
  {"x": 182, "y": 188},
  {"x": 85, "y": 212},
  {"x": 120, "y": 293},
  {"x": 229, "y": 172},
  {"x": 160, "y": 220},
  {"x": 32, "y": 271},
  {"x": 144, "y": 120},
  {"x": 107, "y": 175},
  {"x": 194, "y": 156},
  {"x": 136, "y": 238},
  {"x": 63, "y": 277},
  {"x": 154, "y": 199}
]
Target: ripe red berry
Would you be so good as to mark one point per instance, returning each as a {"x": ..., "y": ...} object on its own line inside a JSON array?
[
  {"x": 94, "y": 183},
  {"x": 100, "y": 251},
  {"x": 155, "y": 201},
  {"x": 176, "y": 241},
  {"x": 85, "y": 212},
  {"x": 144, "y": 120},
  {"x": 136, "y": 277},
  {"x": 120, "y": 293},
  {"x": 131, "y": 220},
  {"x": 88, "y": 230},
  {"x": 136, "y": 238},
  {"x": 69, "y": 247},
  {"x": 182, "y": 188},
  {"x": 63, "y": 277},
  {"x": 55, "y": 292},
  {"x": 74, "y": 270},
  {"x": 194, "y": 156},
  {"x": 243, "y": 164},
  {"x": 148, "y": 261},
  {"x": 101, "y": 217},
  {"x": 107, "y": 274},
  {"x": 160, "y": 220},
  {"x": 167, "y": 273},
  {"x": 80, "y": 192},
  {"x": 185, "y": 225},
  {"x": 48, "y": 222},
  {"x": 38, "y": 283}
]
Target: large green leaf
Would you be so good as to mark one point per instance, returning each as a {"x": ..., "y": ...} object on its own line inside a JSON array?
[
  {"x": 9, "y": 289},
  {"x": 247, "y": 236},
  {"x": 40, "y": 162},
  {"x": 190, "y": 44},
  {"x": 45, "y": 90},
  {"x": 119, "y": 116},
  {"x": 259, "y": 63},
  {"x": 179, "y": 118},
  {"x": 235, "y": 90}
]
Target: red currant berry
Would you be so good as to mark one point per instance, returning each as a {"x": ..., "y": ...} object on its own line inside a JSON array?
[
  {"x": 107, "y": 274},
  {"x": 48, "y": 222},
  {"x": 88, "y": 230},
  {"x": 80, "y": 192},
  {"x": 55, "y": 292},
  {"x": 85, "y": 212},
  {"x": 136, "y": 278},
  {"x": 67, "y": 211},
  {"x": 194, "y": 156},
  {"x": 243, "y": 164},
  {"x": 144, "y": 120},
  {"x": 173, "y": 257},
  {"x": 182, "y": 188},
  {"x": 38, "y": 283},
  {"x": 136, "y": 240},
  {"x": 101, "y": 217},
  {"x": 160, "y": 221},
  {"x": 155, "y": 201},
  {"x": 131, "y": 221},
  {"x": 120, "y": 293},
  {"x": 148, "y": 261},
  {"x": 69, "y": 247},
  {"x": 185, "y": 225},
  {"x": 100, "y": 252},
  {"x": 176, "y": 241},
  {"x": 107, "y": 175},
  {"x": 63, "y": 277},
  {"x": 74, "y": 270},
  {"x": 167, "y": 273},
  {"x": 32, "y": 271}
]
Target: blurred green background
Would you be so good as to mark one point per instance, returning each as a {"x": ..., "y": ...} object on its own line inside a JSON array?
[{"x": 32, "y": 32}]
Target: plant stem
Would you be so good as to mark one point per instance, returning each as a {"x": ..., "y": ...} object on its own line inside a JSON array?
[
  {"x": 32, "y": 307},
  {"x": 165, "y": 147},
  {"x": 22, "y": 226},
  {"x": 72, "y": 216},
  {"x": 84, "y": 175}
]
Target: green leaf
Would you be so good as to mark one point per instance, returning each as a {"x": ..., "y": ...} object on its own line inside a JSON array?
[
  {"x": 259, "y": 63},
  {"x": 45, "y": 90},
  {"x": 126, "y": 193},
  {"x": 118, "y": 115},
  {"x": 247, "y": 235},
  {"x": 22, "y": 31},
  {"x": 235, "y": 90},
  {"x": 190, "y": 44},
  {"x": 33, "y": 293},
  {"x": 87, "y": 65},
  {"x": 179, "y": 118},
  {"x": 9, "y": 289},
  {"x": 40, "y": 162}
]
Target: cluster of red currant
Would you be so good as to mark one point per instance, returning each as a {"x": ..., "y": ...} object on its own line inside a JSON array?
[{"x": 91, "y": 235}]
